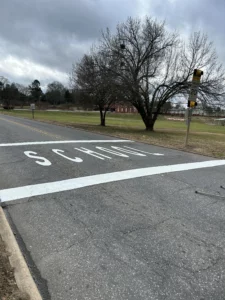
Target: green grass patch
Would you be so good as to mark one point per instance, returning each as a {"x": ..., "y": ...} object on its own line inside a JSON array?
[
  {"x": 205, "y": 138},
  {"x": 114, "y": 119}
]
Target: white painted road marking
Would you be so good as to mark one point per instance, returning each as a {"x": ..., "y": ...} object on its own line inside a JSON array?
[
  {"x": 64, "y": 142},
  {"x": 59, "y": 152},
  {"x": 93, "y": 153},
  {"x": 128, "y": 151},
  {"x": 156, "y": 154},
  {"x": 111, "y": 151},
  {"x": 89, "y": 152},
  {"x": 76, "y": 183},
  {"x": 44, "y": 161}
]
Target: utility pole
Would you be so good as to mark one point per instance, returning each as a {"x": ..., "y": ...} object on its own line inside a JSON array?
[{"x": 192, "y": 100}]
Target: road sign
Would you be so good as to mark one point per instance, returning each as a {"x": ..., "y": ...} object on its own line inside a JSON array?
[
  {"x": 192, "y": 104},
  {"x": 194, "y": 86},
  {"x": 32, "y": 107},
  {"x": 192, "y": 99}
]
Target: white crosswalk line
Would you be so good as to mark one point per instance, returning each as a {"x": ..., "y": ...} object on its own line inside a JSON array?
[{"x": 77, "y": 183}]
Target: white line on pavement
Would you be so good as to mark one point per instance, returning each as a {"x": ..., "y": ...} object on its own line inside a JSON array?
[
  {"x": 65, "y": 142},
  {"x": 76, "y": 183},
  {"x": 156, "y": 154}
]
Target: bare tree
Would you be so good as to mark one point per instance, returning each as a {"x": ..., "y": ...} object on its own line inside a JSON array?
[
  {"x": 23, "y": 89},
  {"x": 3, "y": 82},
  {"x": 10, "y": 95},
  {"x": 154, "y": 66},
  {"x": 24, "y": 93},
  {"x": 14, "y": 93},
  {"x": 55, "y": 93},
  {"x": 92, "y": 78},
  {"x": 177, "y": 70},
  {"x": 35, "y": 91}
]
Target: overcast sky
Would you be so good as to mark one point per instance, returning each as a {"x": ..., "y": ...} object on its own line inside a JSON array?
[{"x": 40, "y": 39}]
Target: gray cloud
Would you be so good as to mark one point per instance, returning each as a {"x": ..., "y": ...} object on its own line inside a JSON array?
[
  {"x": 190, "y": 15},
  {"x": 54, "y": 33},
  {"x": 47, "y": 36}
]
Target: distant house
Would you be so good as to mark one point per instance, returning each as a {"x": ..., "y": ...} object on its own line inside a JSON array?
[{"x": 125, "y": 108}]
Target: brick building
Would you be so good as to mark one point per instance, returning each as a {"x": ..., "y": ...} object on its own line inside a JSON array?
[{"x": 125, "y": 108}]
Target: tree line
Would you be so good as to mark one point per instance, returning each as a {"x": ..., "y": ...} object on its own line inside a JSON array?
[
  {"x": 12, "y": 94},
  {"x": 140, "y": 64}
]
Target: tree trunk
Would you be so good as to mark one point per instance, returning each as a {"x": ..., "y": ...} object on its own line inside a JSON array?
[
  {"x": 149, "y": 124},
  {"x": 102, "y": 117},
  {"x": 149, "y": 121}
]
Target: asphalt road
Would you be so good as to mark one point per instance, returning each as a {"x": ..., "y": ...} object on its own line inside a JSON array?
[{"x": 98, "y": 218}]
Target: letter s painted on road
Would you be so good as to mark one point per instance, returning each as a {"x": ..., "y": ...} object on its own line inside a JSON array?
[{"x": 43, "y": 162}]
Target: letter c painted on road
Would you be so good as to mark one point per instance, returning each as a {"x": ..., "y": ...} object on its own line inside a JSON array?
[{"x": 59, "y": 152}]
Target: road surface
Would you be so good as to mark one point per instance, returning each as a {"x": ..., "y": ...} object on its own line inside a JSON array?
[{"x": 101, "y": 218}]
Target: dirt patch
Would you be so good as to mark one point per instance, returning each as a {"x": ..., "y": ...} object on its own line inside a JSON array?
[
  {"x": 8, "y": 286},
  {"x": 175, "y": 119}
]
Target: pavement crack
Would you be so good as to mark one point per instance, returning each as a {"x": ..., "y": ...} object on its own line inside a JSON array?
[{"x": 170, "y": 176}]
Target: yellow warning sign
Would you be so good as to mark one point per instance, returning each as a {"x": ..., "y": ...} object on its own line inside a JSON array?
[
  {"x": 194, "y": 87},
  {"x": 192, "y": 103}
]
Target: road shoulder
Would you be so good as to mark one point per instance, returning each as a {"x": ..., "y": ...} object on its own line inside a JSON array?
[{"x": 23, "y": 278}]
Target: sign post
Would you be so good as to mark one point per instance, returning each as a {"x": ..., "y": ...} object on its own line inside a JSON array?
[
  {"x": 188, "y": 114},
  {"x": 192, "y": 100},
  {"x": 32, "y": 107}
]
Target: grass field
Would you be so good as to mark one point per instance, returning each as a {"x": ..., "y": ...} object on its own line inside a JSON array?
[{"x": 205, "y": 138}]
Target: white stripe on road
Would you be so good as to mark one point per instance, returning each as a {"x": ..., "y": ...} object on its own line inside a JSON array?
[
  {"x": 65, "y": 142},
  {"x": 76, "y": 183},
  {"x": 156, "y": 154}
]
